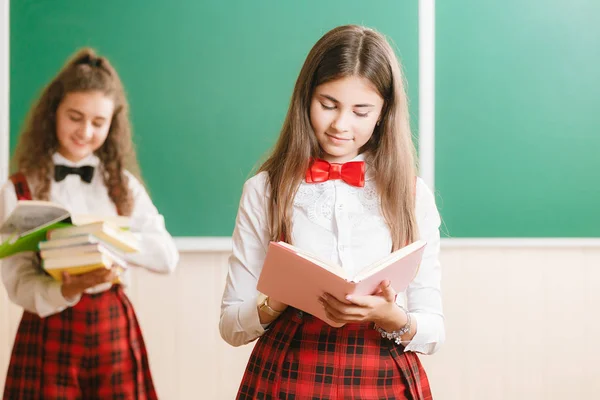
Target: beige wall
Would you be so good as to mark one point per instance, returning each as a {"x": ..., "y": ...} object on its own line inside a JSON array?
[{"x": 522, "y": 323}]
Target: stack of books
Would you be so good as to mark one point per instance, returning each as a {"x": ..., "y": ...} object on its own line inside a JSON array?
[
  {"x": 72, "y": 243},
  {"x": 83, "y": 248}
]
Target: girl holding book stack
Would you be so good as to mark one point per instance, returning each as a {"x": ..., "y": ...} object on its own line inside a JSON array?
[
  {"x": 340, "y": 184},
  {"x": 79, "y": 336}
]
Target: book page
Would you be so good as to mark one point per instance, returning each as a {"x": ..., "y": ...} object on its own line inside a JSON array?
[
  {"x": 328, "y": 265},
  {"x": 384, "y": 262},
  {"x": 30, "y": 215},
  {"x": 119, "y": 221}
]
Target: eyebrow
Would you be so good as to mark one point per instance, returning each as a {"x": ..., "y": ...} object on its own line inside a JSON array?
[
  {"x": 337, "y": 102},
  {"x": 82, "y": 114}
]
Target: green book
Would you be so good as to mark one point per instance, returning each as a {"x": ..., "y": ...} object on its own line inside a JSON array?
[
  {"x": 29, "y": 222},
  {"x": 28, "y": 242}
]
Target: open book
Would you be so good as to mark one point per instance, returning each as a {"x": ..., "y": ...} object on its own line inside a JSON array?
[
  {"x": 28, "y": 223},
  {"x": 32, "y": 215},
  {"x": 297, "y": 278}
]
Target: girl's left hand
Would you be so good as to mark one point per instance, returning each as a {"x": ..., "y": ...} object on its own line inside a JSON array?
[{"x": 375, "y": 308}]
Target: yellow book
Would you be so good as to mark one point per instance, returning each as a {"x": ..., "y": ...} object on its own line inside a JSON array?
[{"x": 82, "y": 264}]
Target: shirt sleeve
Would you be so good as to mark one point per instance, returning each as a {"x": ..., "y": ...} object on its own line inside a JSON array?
[
  {"x": 26, "y": 284},
  {"x": 424, "y": 296},
  {"x": 239, "y": 323},
  {"x": 158, "y": 251}
]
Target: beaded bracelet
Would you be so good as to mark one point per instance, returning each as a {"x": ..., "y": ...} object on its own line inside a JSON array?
[{"x": 396, "y": 335}]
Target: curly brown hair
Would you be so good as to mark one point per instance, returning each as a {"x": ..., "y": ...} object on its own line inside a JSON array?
[{"x": 85, "y": 71}]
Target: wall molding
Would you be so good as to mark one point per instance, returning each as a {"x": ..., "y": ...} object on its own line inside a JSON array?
[{"x": 223, "y": 244}]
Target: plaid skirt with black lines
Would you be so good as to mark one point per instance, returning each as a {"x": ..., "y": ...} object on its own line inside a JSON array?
[
  {"x": 301, "y": 357},
  {"x": 93, "y": 350}
]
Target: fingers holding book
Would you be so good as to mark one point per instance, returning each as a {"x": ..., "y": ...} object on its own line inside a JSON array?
[
  {"x": 352, "y": 308},
  {"x": 74, "y": 285}
]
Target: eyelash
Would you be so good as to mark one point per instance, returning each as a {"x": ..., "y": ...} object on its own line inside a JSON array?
[
  {"x": 361, "y": 115},
  {"x": 77, "y": 119}
]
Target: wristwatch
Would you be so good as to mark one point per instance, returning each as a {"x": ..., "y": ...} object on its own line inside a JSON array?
[{"x": 263, "y": 306}]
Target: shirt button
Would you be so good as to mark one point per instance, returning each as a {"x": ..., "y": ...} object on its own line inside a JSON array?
[{"x": 340, "y": 207}]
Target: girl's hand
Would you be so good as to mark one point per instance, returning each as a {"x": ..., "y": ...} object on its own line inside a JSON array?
[
  {"x": 276, "y": 305},
  {"x": 377, "y": 308},
  {"x": 75, "y": 284},
  {"x": 266, "y": 317}
]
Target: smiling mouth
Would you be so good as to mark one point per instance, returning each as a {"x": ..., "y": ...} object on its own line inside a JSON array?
[
  {"x": 341, "y": 139},
  {"x": 79, "y": 142}
]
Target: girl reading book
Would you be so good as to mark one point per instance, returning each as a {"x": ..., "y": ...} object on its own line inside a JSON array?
[
  {"x": 79, "y": 337},
  {"x": 341, "y": 184}
]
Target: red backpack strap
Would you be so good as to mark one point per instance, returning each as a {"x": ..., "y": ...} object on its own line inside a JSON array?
[
  {"x": 21, "y": 187},
  {"x": 23, "y": 193}
]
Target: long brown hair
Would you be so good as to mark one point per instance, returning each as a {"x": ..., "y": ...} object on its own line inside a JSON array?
[
  {"x": 84, "y": 72},
  {"x": 349, "y": 51}
]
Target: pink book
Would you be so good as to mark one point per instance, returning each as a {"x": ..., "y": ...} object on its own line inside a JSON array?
[{"x": 297, "y": 278}]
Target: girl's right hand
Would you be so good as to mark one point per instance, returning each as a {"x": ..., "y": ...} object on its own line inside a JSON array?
[{"x": 73, "y": 285}]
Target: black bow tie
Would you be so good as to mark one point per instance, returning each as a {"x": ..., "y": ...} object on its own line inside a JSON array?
[{"x": 61, "y": 171}]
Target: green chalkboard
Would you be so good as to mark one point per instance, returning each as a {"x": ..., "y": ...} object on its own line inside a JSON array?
[
  {"x": 208, "y": 81},
  {"x": 517, "y": 117}
]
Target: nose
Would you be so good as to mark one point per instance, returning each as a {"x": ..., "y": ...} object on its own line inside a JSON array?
[
  {"x": 86, "y": 132},
  {"x": 341, "y": 122}
]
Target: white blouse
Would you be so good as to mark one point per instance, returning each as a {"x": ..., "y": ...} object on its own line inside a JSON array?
[
  {"x": 38, "y": 293},
  {"x": 341, "y": 223}
]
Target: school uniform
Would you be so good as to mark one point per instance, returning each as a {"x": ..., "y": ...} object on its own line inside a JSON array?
[
  {"x": 91, "y": 346},
  {"x": 300, "y": 356}
]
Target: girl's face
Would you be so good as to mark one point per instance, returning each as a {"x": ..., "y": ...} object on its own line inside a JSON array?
[
  {"x": 82, "y": 123},
  {"x": 343, "y": 115}
]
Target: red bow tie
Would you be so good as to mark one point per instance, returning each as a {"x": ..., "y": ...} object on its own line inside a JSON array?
[{"x": 353, "y": 172}]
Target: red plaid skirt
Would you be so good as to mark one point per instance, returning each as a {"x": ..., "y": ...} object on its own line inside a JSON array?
[
  {"x": 301, "y": 357},
  {"x": 93, "y": 350}
]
